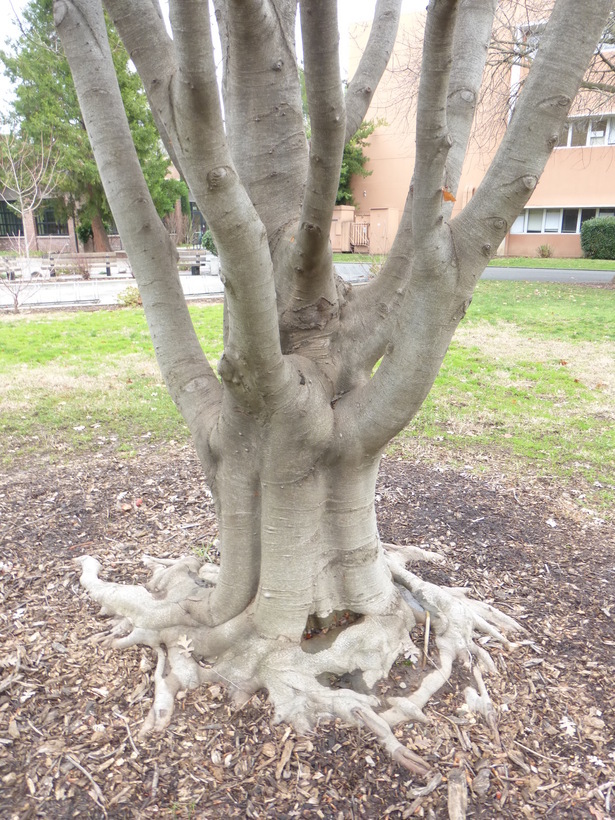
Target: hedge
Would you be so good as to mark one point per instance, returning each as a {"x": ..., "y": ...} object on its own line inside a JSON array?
[{"x": 598, "y": 237}]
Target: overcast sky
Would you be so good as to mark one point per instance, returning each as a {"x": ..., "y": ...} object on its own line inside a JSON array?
[{"x": 349, "y": 11}]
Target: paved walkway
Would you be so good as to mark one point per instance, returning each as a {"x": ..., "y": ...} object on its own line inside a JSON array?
[{"x": 101, "y": 290}]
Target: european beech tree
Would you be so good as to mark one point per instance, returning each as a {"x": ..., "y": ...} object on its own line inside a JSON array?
[{"x": 316, "y": 377}]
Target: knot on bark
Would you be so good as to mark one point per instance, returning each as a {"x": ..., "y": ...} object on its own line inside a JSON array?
[
  {"x": 530, "y": 181},
  {"x": 218, "y": 177},
  {"x": 230, "y": 368},
  {"x": 60, "y": 10},
  {"x": 311, "y": 229},
  {"x": 499, "y": 223},
  {"x": 315, "y": 316},
  {"x": 486, "y": 249},
  {"x": 558, "y": 101}
]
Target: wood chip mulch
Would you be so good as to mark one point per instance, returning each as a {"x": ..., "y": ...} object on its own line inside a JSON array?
[{"x": 70, "y": 710}]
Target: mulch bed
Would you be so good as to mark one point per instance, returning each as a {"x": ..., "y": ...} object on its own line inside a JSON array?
[{"x": 70, "y": 710}]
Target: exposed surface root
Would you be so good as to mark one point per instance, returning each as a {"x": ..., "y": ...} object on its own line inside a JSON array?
[
  {"x": 332, "y": 675},
  {"x": 456, "y": 619}
]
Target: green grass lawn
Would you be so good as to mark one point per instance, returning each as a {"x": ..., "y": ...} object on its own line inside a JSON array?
[
  {"x": 502, "y": 262},
  {"x": 528, "y": 384}
]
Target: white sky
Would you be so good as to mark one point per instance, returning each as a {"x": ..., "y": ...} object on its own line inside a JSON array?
[{"x": 350, "y": 11}]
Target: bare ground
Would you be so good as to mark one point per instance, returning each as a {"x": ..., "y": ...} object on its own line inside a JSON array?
[{"x": 70, "y": 711}]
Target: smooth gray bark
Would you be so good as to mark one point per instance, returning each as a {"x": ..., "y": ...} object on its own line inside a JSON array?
[{"x": 291, "y": 432}]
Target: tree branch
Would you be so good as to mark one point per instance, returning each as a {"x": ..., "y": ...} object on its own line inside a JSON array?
[
  {"x": 471, "y": 46},
  {"x": 433, "y": 139},
  {"x": 553, "y": 81},
  {"x": 262, "y": 106},
  {"x": 439, "y": 291},
  {"x": 323, "y": 85},
  {"x": 191, "y": 382},
  {"x": 252, "y": 365},
  {"x": 145, "y": 37},
  {"x": 443, "y": 47},
  {"x": 373, "y": 62}
]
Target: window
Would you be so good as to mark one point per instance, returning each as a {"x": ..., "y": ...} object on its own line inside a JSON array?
[
  {"x": 556, "y": 220},
  {"x": 527, "y": 39},
  {"x": 11, "y": 223},
  {"x": 579, "y": 133},
  {"x": 597, "y": 134},
  {"x": 564, "y": 136},
  {"x": 552, "y": 221},
  {"x": 570, "y": 218},
  {"x": 518, "y": 224},
  {"x": 534, "y": 220},
  {"x": 48, "y": 224}
]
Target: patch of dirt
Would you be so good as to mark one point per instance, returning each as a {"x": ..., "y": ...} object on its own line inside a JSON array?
[
  {"x": 592, "y": 363},
  {"x": 70, "y": 711}
]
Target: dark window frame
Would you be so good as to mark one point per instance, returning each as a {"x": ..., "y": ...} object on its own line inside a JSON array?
[{"x": 11, "y": 223}]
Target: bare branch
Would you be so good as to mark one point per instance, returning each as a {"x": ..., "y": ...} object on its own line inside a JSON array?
[
  {"x": 472, "y": 38},
  {"x": 323, "y": 84},
  {"x": 372, "y": 64},
  {"x": 433, "y": 139},
  {"x": 145, "y": 37},
  {"x": 439, "y": 291},
  {"x": 252, "y": 365},
  {"x": 262, "y": 106},
  {"x": 550, "y": 87},
  {"x": 192, "y": 384},
  {"x": 28, "y": 175}
]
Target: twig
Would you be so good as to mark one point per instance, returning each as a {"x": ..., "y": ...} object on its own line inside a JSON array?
[
  {"x": 155, "y": 778},
  {"x": 132, "y": 743},
  {"x": 457, "y": 794},
  {"x": 537, "y": 754},
  {"x": 96, "y": 787},
  {"x": 426, "y": 639}
]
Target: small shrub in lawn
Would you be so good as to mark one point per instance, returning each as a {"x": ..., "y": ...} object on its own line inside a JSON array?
[
  {"x": 130, "y": 297},
  {"x": 544, "y": 251},
  {"x": 598, "y": 237}
]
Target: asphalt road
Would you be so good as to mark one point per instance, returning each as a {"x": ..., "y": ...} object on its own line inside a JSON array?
[{"x": 354, "y": 272}]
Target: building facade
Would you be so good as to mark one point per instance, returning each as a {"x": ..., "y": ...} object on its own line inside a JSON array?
[
  {"x": 578, "y": 182},
  {"x": 45, "y": 231}
]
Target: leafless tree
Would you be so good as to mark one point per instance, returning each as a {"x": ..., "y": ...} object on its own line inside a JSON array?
[
  {"x": 291, "y": 428},
  {"x": 27, "y": 179}
]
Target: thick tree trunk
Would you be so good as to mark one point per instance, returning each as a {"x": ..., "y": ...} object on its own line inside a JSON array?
[
  {"x": 100, "y": 239},
  {"x": 291, "y": 434}
]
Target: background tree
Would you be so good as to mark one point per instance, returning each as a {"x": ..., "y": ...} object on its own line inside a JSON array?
[
  {"x": 290, "y": 434},
  {"x": 28, "y": 176},
  {"x": 354, "y": 161},
  {"x": 46, "y": 102}
]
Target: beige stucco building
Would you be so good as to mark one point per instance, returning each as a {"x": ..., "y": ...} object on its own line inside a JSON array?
[{"x": 578, "y": 182}]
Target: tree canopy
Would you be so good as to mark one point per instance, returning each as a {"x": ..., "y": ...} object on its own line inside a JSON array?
[{"x": 46, "y": 107}]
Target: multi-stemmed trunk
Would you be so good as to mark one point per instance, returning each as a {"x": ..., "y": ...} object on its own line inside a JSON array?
[{"x": 316, "y": 378}]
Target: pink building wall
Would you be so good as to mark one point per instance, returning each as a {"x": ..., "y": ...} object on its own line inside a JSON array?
[{"x": 573, "y": 178}]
